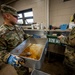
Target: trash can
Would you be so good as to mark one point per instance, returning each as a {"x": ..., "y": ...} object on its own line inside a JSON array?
[
  {"x": 55, "y": 49},
  {"x": 53, "y": 39}
]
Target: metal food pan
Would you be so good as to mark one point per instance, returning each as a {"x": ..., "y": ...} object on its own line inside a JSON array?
[
  {"x": 35, "y": 64},
  {"x": 37, "y": 72}
]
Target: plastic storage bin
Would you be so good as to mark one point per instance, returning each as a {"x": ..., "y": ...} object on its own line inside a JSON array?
[
  {"x": 53, "y": 39},
  {"x": 64, "y": 26},
  {"x": 37, "y": 72}
]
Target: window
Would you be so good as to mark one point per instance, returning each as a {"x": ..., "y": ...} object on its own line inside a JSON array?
[
  {"x": 28, "y": 14},
  {"x": 25, "y": 17},
  {"x": 20, "y": 16},
  {"x": 20, "y": 21}
]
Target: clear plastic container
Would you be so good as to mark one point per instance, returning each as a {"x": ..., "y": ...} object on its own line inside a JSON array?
[{"x": 37, "y": 72}]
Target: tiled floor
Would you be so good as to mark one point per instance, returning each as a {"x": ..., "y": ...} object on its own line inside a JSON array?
[{"x": 54, "y": 67}]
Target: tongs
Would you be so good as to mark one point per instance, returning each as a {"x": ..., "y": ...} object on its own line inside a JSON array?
[{"x": 26, "y": 54}]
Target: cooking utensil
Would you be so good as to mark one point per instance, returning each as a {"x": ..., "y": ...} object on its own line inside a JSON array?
[{"x": 26, "y": 54}]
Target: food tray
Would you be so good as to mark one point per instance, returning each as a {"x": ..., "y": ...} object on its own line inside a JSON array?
[{"x": 32, "y": 63}]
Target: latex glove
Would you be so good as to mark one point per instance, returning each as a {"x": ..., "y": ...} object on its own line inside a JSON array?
[
  {"x": 15, "y": 60},
  {"x": 60, "y": 37}
]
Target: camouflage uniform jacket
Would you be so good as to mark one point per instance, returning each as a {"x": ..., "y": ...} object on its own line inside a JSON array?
[
  {"x": 10, "y": 37},
  {"x": 70, "y": 49}
]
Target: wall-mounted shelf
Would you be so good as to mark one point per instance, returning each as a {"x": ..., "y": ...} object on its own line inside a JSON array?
[
  {"x": 35, "y": 29},
  {"x": 58, "y": 30}
]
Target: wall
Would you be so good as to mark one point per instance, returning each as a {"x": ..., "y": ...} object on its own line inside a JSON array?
[
  {"x": 38, "y": 7},
  {"x": 60, "y": 12}
]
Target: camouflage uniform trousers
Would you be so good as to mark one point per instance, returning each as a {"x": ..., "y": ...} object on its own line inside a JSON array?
[
  {"x": 69, "y": 67},
  {"x": 22, "y": 70}
]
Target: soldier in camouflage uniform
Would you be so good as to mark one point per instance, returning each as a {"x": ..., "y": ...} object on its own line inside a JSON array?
[
  {"x": 69, "y": 60},
  {"x": 10, "y": 35}
]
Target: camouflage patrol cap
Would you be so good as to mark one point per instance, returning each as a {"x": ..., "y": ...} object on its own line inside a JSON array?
[{"x": 8, "y": 9}]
